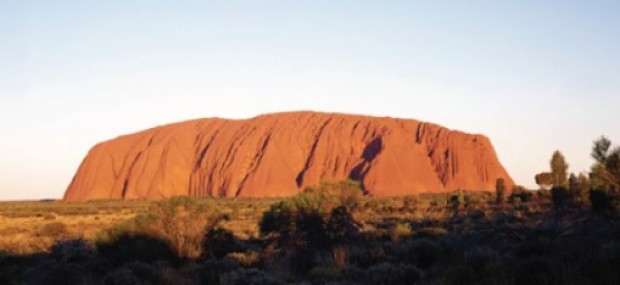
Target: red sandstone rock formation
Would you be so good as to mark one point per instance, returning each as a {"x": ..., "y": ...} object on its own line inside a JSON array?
[{"x": 281, "y": 154}]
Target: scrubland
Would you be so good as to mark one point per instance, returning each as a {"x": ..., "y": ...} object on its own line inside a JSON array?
[{"x": 329, "y": 234}]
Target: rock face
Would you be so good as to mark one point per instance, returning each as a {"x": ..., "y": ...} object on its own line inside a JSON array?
[{"x": 281, "y": 154}]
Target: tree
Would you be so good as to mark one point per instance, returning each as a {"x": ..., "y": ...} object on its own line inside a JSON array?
[
  {"x": 500, "y": 190},
  {"x": 583, "y": 190},
  {"x": 573, "y": 187},
  {"x": 544, "y": 180},
  {"x": 457, "y": 200},
  {"x": 559, "y": 169},
  {"x": 601, "y": 149},
  {"x": 605, "y": 177},
  {"x": 605, "y": 172}
]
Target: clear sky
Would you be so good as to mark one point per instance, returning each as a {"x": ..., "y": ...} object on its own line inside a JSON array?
[{"x": 534, "y": 76}]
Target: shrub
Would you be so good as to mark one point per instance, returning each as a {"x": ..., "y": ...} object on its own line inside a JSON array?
[
  {"x": 460, "y": 275},
  {"x": 219, "y": 242},
  {"x": 384, "y": 273},
  {"x": 605, "y": 201},
  {"x": 302, "y": 221},
  {"x": 321, "y": 274},
  {"x": 245, "y": 259},
  {"x": 347, "y": 193},
  {"x": 457, "y": 200},
  {"x": 339, "y": 256},
  {"x": 473, "y": 201},
  {"x": 603, "y": 267},
  {"x": 500, "y": 190},
  {"x": 421, "y": 252},
  {"x": 483, "y": 261},
  {"x": 135, "y": 247},
  {"x": 341, "y": 226},
  {"x": 276, "y": 218},
  {"x": 400, "y": 231},
  {"x": 544, "y": 271},
  {"x": 309, "y": 231},
  {"x": 410, "y": 202},
  {"x": 72, "y": 251},
  {"x": 54, "y": 230},
  {"x": 49, "y": 217},
  {"x": 519, "y": 192},
  {"x": 182, "y": 221},
  {"x": 251, "y": 276},
  {"x": 121, "y": 276},
  {"x": 367, "y": 256},
  {"x": 179, "y": 221},
  {"x": 561, "y": 197},
  {"x": 210, "y": 271},
  {"x": 133, "y": 273}
]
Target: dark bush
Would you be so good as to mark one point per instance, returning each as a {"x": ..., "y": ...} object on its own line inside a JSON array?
[
  {"x": 561, "y": 197},
  {"x": 210, "y": 271},
  {"x": 483, "y": 260},
  {"x": 122, "y": 276},
  {"x": 421, "y": 252},
  {"x": 142, "y": 248},
  {"x": 545, "y": 271},
  {"x": 605, "y": 201},
  {"x": 72, "y": 251},
  {"x": 278, "y": 217},
  {"x": 367, "y": 256},
  {"x": 12, "y": 266},
  {"x": 460, "y": 275},
  {"x": 250, "y": 276},
  {"x": 384, "y": 273},
  {"x": 218, "y": 243},
  {"x": 602, "y": 269},
  {"x": 341, "y": 226}
]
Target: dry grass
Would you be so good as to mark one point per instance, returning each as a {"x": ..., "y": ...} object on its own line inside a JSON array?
[{"x": 23, "y": 224}]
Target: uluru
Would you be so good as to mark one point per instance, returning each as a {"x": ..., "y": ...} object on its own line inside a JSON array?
[{"x": 280, "y": 154}]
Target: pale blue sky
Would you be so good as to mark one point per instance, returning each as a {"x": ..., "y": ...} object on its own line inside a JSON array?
[{"x": 534, "y": 76}]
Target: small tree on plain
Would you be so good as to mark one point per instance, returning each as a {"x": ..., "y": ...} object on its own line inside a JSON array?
[
  {"x": 544, "y": 180},
  {"x": 583, "y": 191},
  {"x": 500, "y": 190},
  {"x": 559, "y": 169}
]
